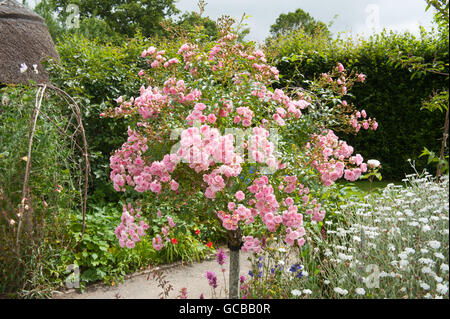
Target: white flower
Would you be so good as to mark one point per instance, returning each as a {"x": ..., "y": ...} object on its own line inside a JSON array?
[
  {"x": 403, "y": 263},
  {"x": 281, "y": 262},
  {"x": 428, "y": 296},
  {"x": 307, "y": 291},
  {"x": 442, "y": 289},
  {"x": 424, "y": 285},
  {"x": 403, "y": 255},
  {"x": 340, "y": 291},
  {"x": 23, "y": 68},
  {"x": 434, "y": 244},
  {"x": 345, "y": 257},
  {"x": 424, "y": 251},
  {"x": 281, "y": 250},
  {"x": 426, "y": 228},
  {"x": 439, "y": 255},
  {"x": 426, "y": 261},
  {"x": 426, "y": 270},
  {"x": 35, "y": 68},
  {"x": 444, "y": 267},
  {"x": 296, "y": 292},
  {"x": 360, "y": 291},
  {"x": 356, "y": 238},
  {"x": 373, "y": 163},
  {"x": 438, "y": 279},
  {"x": 326, "y": 282},
  {"x": 409, "y": 250}
]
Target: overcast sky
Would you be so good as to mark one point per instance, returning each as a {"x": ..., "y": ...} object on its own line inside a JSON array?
[{"x": 356, "y": 16}]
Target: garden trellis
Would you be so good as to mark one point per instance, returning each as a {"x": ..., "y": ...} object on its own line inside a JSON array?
[{"x": 74, "y": 131}]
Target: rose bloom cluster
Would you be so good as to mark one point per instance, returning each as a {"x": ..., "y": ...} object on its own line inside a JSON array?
[
  {"x": 333, "y": 158},
  {"x": 359, "y": 119},
  {"x": 128, "y": 232},
  {"x": 211, "y": 156},
  {"x": 340, "y": 82},
  {"x": 158, "y": 242}
]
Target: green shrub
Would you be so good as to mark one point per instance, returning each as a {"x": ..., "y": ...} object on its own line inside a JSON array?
[{"x": 100, "y": 258}]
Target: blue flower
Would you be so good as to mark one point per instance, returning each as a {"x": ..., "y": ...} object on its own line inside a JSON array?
[{"x": 295, "y": 268}]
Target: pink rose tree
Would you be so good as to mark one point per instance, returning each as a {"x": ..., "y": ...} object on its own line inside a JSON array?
[{"x": 209, "y": 121}]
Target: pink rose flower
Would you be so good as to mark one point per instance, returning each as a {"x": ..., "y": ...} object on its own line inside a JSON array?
[{"x": 240, "y": 196}]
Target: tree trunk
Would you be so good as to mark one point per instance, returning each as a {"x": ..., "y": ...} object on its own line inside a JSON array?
[
  {"x": 234, "y": 243},
  {"x": 234, "y": 274}
]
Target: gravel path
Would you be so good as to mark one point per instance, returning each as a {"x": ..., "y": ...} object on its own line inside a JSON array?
[{"x": 143, "y": 286}]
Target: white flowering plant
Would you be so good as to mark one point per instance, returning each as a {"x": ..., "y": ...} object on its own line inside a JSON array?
[{"x": 392, "y": 243}]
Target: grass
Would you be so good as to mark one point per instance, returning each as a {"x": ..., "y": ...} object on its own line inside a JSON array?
[{"x": 366, "y": 186}]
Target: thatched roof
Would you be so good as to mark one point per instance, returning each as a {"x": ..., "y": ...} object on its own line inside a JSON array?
[{"x": 24, "y": 38}]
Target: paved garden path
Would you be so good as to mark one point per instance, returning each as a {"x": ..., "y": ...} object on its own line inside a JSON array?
[{"x": 143, "y": 286}]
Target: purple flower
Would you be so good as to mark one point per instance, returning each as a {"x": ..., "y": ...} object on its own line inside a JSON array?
[
  {"x": 212, "y": 279},
  {"x": 221, "y": 257}
]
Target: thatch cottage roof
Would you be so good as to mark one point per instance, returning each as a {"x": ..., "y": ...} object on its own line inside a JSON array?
[{"x": 24, "y": 41}]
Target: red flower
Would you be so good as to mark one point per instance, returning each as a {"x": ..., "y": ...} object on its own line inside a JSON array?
[
  {"x": 174, "y": 241},
  {"x": 197, "y": 231},
  {"x": 209, "y": 244}
]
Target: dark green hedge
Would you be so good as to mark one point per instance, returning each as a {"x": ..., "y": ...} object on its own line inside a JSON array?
[
  {"x": 95, "y": 74},
  {"x": 389, "y": 94}
]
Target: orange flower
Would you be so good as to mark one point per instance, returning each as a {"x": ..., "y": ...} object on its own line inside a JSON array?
[
  {"x": 209, "y": 244},
  {"x": 174, "y": 241}
]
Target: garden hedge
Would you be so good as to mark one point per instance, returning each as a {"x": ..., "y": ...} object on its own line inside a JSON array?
[{"x": 391, "y": 94}]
